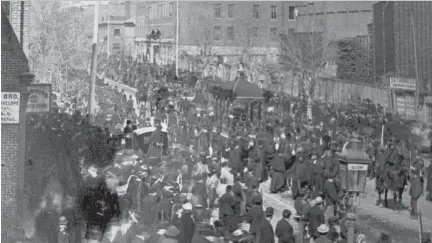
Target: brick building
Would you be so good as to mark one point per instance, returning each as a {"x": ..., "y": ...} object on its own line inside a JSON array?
[
  {"x": 224, "y": 29},
  {"x": 339, "y": 20},
  {"x": 117, "y": 28},
  {"x": 15, "y": 77},
  {"x": 395, "y": 27}
]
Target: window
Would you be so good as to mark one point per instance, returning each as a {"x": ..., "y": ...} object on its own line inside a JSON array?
[
  {"x": 231, "y": 11},
  {"x": 230, "y": 33},
  {"x": 273, "y": 12},
  {"x": 255, "y": 32},
  {"x": 273, "y": 33},
  {"x": 170, "y": 9},
  {"x": 159, "y": 10},
  {"x": 217, "y": 13},
  {"x": 291, "y": 13},
  {"x": 116, "y": 32},
  {"x": 256, "y": 11},
  {"x": 217, "y": 34}
]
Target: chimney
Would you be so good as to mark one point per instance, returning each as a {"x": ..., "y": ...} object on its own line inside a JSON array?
[
  {"x": 19, "y": 17},
  {"x": 128, "y": 9}
]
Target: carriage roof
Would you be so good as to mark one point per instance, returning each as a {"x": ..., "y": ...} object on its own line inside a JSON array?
[{"x": 143, "y": 130}]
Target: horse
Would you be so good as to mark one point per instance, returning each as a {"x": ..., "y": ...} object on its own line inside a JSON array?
[{"x": 392, "y": 175}]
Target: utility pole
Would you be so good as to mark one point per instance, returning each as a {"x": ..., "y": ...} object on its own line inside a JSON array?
[
  {"x": 177, "y": 38},
  {"x": 92, "y": 101},
  {"x": 108, "y": 30},
  {"x": 417, "y": 100}
]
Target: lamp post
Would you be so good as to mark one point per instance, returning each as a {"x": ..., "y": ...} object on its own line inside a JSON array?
[{"x": 354, "y": 164}]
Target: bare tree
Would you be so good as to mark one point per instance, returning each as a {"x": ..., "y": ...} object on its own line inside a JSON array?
[
  {"x": 56, "y": 41},
  {"x": 204, "y": 36},
  {"x": 254, "y": 50},
  {"x": 306, "y": 54}
]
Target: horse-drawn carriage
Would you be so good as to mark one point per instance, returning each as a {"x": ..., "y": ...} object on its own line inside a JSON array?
[{"x": 151, "y": 143}]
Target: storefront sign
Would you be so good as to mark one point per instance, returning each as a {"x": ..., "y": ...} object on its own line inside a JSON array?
[
  {"x": 10, "y": 107},
  {"x": 405, "y": 106},
  {"x": 39, "y": 98},
  {"x": 403, "y": 84}
]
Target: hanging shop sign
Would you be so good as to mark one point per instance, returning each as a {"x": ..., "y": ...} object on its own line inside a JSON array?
[
  {"x": 10, "y": 107},
  {"x": 39, "y": 98},
  {"x": 407, "y": 84}
]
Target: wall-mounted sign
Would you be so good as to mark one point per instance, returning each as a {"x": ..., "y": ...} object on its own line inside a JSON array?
[
  {"x": 408, "y": 84},
  {"x": 405, "y": 106},
  {"x": 39, "y": 98},
  {"x": 10, "y": 107}
]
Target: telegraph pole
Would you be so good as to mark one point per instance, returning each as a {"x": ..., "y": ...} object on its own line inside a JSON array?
[
  {"x": 92, "y": 101},
  {"x": 177, "y": 37}
]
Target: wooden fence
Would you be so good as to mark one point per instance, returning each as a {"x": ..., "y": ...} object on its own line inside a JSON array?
[{"x": 338, "y": 92}]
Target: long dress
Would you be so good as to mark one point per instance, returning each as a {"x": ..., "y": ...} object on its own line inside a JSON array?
[{"x": 278, "y": 180}]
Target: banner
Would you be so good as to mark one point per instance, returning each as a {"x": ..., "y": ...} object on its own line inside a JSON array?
[
  {"x": 10, "y": 107},
  {"x": 39, "y": 98}
]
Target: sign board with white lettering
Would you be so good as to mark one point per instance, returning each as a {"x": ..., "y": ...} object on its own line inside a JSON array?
[
  {"x": 357, "y": 167},
  {"x": 39, "y": 98},
  {"x": 407, "y": 84},
  {"x": 405, "y": 105},
  {"x": 10, "y": 107}
]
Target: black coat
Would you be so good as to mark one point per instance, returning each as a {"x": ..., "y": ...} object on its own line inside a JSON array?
[
  {"x": 255, "y": 216},
  {"x": 187, "y": 228},
  {"x": 284, "y": 232},
  {"x": 226, "y": 204},
  {"x": 266, "y": 234},
  {"x": 315, "y": 216}
]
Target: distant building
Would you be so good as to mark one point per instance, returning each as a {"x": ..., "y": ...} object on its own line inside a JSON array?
[
  {"x": 338, "y": 20},
  {"x": 117, "y": 29},
  {"x": 225, "y": 30},
  {"x": 394, "y": 26}
]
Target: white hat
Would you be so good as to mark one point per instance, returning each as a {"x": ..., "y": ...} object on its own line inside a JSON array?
[
  {"x": 323, "y": 229},
  {"x": 187, "y": 206},
  {"x": 312, "y": 203},
  {"x": 238, "y": 232},
  {"x": 318, "y": 200}
]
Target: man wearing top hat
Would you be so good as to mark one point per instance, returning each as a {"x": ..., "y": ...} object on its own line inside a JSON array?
[
  {"x": 284, "y": 230},
  {"x": 266, "y": 231},
  {"x": 156, "y": 141}
]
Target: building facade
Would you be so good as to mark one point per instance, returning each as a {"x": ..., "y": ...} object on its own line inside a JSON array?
[
  {"x": 225, "y": 30},
  {"x": 15, "y": 78},
  {"x": 403, "y": 51},
  {"x": 339, "y": 20},
  {"x": 117, "y": 28}
]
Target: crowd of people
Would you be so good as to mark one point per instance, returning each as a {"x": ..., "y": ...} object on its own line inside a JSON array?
[{"x": 293, "y": 153}]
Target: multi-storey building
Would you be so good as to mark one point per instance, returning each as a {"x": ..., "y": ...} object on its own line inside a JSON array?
[
  {"x": 224, "y": 29},
  {"x": 117, "y": 28},
  {"x": 15, "y": 78},
  {"x": 338, "y": 20},
  {"x": 403, "y": 52}
]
